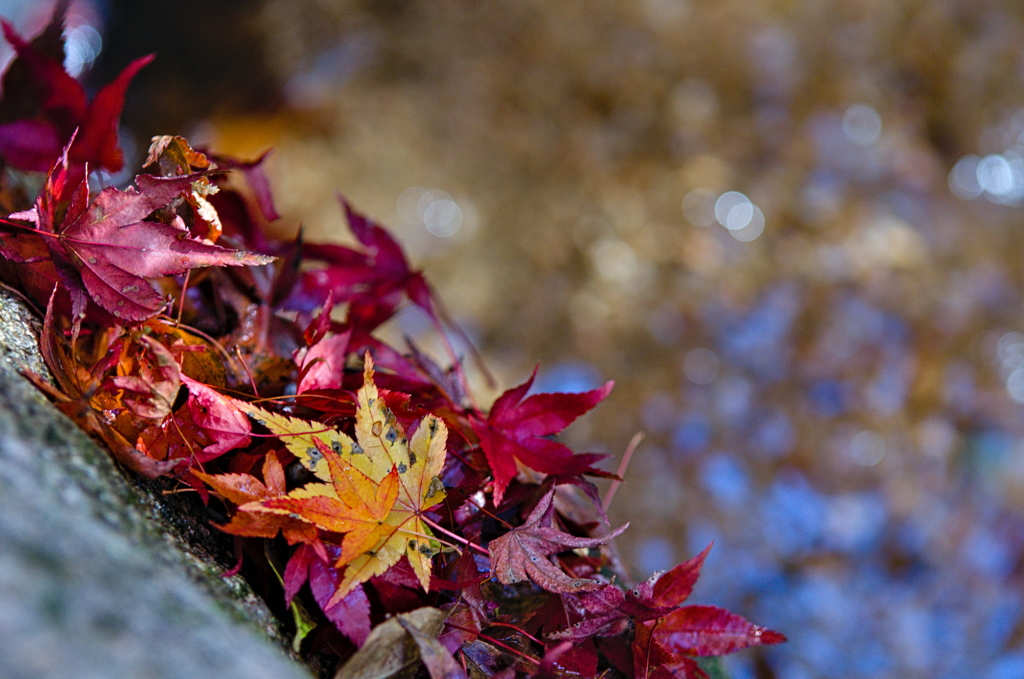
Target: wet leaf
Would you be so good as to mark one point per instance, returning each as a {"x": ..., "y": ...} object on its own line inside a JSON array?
[
  {"x": 708, "y": 630},
  {"x": 518, "y": 426},
  {"x": 522, "y": 553},
  {"x": 376, "y": 489}
]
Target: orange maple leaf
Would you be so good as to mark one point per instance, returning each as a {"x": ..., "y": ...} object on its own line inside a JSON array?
[
  {"x": 351, "y": 503},
  {"x": 246, "y": 491}
]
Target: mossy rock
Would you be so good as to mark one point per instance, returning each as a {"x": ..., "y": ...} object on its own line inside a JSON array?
[{"x": 96, "y": 580}]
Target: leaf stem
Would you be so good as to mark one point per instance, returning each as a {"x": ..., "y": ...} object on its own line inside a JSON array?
[
  {"x": 181, "y": 301},
  {"x": 252, "y": 381},
  {"x": 471, "y": 545},
  {"x": 495, "y": 642},
  {"x": 621, "y": 471},
  {"x": 513, "y": 627}
]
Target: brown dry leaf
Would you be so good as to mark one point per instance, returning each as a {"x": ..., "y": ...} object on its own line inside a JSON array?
[{"x": 395, "y": 648}]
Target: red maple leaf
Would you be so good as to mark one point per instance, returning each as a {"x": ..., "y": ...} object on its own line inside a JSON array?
[
  {"x": 34, "y": 140},
  {"x": 374, "y": 282},
  {"x": 106, "y": 251},
  {"x": 208, "y": 425},
  {"x": 609, "y": 610},
  {"x": 666, "y": 633},
  {"x": 516, "y": 429},
  {"x": 218, "y": 417},
  {"x": 708, "y": 630},
  {"x": 522, "y": 553},
  {"x": 351, "y": 615}
]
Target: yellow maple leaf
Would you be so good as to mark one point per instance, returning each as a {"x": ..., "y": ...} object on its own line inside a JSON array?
[
  {"x": 375, "y": 488},
  {"x": 301, "y": 438}
]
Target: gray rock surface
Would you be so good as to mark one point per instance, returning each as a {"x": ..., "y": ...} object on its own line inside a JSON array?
[{"x": 93, "y": 580}]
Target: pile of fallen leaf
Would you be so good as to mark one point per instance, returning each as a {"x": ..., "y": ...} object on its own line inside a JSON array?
[{"x": 397, "y": 520}]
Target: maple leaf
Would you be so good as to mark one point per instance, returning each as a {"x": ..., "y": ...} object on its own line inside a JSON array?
[
  {"x": 43, "y": 105},
  {"x": 208, "y": 425},
  {"x": 521, "y": 554},
  {"x": 708, "y": 630},
  {"x": 76, "y": 394},
  {"x": 151, "y": 392},
  {"x": 375, "y": 488},
  {"x": 610, "y": 609},
  {"x": 652, "y": 661},
  {"x": 516, "y": 429},
  {"x": 419, "y": 462},
  {"x": 351, "y": 615},
  {"x": 105, "y": 251},
  {"x": 217, "y": 417},
  {"x": 352, "y": 504},
  {"x": 666, "y": 634},
  {"x": 374, "y": 283},
  {"x": 245, "y": 489},
  {"x": 254, "y": 174}
]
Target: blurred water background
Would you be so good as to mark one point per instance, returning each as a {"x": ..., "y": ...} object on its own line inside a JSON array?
[{"x": 791, "y": 231}]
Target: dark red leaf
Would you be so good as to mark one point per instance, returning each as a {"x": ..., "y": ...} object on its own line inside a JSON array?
[
  {"x": 24, "y": 248},
  {"x": 351, "y": 615},
  {"x": 96, "y": 143},
  {"x": 570, "y": 659},
  {"x": 515, "y": 430},
  {"x": 257, "y": 179},
  {"x": 673, "y": 588},
  {"x": 34, "y": 135},
  {"x": 56, "y": 92},
  {"x": 108, "y": 252},
  {"x": 29, "y": 144},
  {"x": 374, "y": 283},
  {"x": 320, "y": 324},
  {"x": 618, "y": 651},
  {"x": 296, "y": 572},
  {"x": 610, "y": 610},
  {"x": 522, "y": 553},
  {"x": 461, "y": 627},
  {"x": 652, "y": 661},
  {"x": 20, "y": 87},
  {"x": 708, "y": 630}
]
